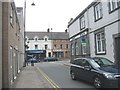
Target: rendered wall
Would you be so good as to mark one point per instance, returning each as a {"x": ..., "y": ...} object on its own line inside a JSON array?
[{"x": 0, "y": 45}]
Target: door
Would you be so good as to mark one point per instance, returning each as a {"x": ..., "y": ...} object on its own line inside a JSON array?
[
  {"x": 117, "y": 50},
  {"x": 11, "y": 67}
]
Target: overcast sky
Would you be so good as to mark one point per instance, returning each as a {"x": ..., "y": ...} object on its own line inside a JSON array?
[{"x": 53, "y": 14}]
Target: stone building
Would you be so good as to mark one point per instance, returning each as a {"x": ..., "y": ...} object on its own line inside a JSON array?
[{"x": 10, "y": 44}]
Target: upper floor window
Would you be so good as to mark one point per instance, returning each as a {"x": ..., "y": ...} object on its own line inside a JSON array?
[
  {"x": 36, "y": 46},
  {"x": 98, "y": 11},
  {"x": 45, "y": 39},
  {"x": 12, "y": 15},
  {"x": 55, "y": 46},
  {"x": 46, "y": 46},
  {"x": 100, "y": 42},
  {"x": 82, "y": 22},
  {"x": 113, "y": 5},
  {"x": 61, "y": 46},
  {"x": 66, "y": 45},
  {"x": 36, "y": 39}
]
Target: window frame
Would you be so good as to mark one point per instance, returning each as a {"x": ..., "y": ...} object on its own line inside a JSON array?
[
  {"x": 46, "y": 46},
  {"x": 84, "y": 45},
  {"x": 72, "y": 49},
  {"x": 82, "y": 22},
  {"x": 36, "y": 47},
  {"x": 76, "y": 48},
  {"x": 12, "y": 15},
  {"x": 113, "y": 8},
  {"x": 100, "y": 45},
  {"x": 100, "y": 11}
]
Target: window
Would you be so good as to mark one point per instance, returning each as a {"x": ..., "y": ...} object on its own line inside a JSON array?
[
  {"x": 66, "y": 45},
  {"x": 76, "y": 49},
  {"x": 45, "y": 39},
  {"x": 55, "y": 46},
  {"x": 46, "y": 46},
  {"x": 61, "y": 46},
  {"x": 113, "y": 5},
  {"x": 12, "y": 15},
  {"x": 36, "y": 39},
  {"x": 100, "y": 42},
  {"x": 82, "y": 22},
  {"x": 98, "y": 11},
  {"x": 84, "y": 47},
  {"x": 72, "y": 49},
  {"x": 36, "y": 46}
]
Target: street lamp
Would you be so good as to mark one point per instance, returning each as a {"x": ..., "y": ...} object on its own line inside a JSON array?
[
  {"x": 51, "y": 43},
  {"x": 25, "y": 54}
]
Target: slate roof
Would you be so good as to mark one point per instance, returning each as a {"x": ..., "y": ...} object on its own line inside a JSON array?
[{"x": 54, "y": 35}]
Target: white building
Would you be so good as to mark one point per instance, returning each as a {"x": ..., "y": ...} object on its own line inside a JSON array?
[
  {"x": 99, "y": 22},
  {"x": 39, "y": 41}
]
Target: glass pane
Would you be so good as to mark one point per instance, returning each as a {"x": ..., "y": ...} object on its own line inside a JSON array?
[{"x": 103, "y": 45}]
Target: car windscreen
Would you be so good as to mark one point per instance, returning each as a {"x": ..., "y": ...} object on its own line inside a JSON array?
[{"x": 103, "y": 62}]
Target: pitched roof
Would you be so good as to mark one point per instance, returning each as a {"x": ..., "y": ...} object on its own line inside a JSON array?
[{"x": 51, "y": 35}]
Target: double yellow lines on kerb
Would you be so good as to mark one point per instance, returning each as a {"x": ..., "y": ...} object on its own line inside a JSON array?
[{"x": 54, "y": 85}]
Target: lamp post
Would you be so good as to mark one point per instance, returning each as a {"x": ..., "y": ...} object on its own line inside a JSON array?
[
  {"x": 51, "y": 44},
  {"x": 25, "y": 54}
]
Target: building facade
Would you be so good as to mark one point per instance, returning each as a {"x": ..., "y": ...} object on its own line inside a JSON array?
[
  {"x": 60, "y": 45},
  {"x": 48, "y": 41},
  {"x": 21, "y": 44},
  {"x": 10, "y": 44},
  {"x": 0, "y": 45},
  {"x": 97, "y": 30}
]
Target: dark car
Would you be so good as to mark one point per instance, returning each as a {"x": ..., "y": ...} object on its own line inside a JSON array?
[
  {"x": 97, "y": 70},
  {"x": 33, "y": 60},
  {"x": 50, "y": 59}
]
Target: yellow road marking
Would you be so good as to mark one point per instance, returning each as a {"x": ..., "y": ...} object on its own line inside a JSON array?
[{"x": 54, "y": 85}]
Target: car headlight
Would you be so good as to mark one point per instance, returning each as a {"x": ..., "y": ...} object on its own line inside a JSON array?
[{"x": 108, "y": 75}]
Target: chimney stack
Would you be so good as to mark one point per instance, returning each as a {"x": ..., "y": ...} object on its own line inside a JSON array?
[{"x": 66, "y": 31}]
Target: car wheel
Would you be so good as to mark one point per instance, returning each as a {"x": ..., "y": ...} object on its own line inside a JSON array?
[
  {"x": 97, "y": 82},
  {"x": 73, "y": 76}
]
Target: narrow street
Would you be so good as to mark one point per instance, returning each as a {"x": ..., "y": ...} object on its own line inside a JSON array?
[{"x": 59, "y": 75}]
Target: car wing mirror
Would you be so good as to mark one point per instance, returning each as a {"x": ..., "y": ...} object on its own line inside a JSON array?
[{"x": 87, "y": 68}]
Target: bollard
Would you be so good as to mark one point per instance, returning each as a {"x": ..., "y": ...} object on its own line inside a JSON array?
[{"x": 32, "y": 63}]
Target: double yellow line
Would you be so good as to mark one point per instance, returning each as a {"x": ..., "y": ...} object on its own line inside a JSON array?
[{"x": 55, "y": 86}]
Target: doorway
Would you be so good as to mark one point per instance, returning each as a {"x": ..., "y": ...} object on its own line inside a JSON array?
[{"x": 117, "y": 48}]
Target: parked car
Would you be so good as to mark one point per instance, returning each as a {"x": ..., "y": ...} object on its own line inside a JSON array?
[
  {"x": 97, "y": 70},
  {"x": 33, "y": 60},
  {"x": 50, "y": 59}
]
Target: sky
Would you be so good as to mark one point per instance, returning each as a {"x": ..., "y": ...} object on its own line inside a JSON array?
[{"x": 53, "y": 14}]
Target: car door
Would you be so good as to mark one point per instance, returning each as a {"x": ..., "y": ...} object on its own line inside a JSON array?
[
  {"x": 87, "y": 71},
  {"x": 79, "y": 69}
]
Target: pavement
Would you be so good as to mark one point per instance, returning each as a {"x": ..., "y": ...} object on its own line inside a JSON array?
[{"x": 30, "y": 77}]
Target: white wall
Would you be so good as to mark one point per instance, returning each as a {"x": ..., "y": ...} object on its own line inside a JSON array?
[
  {"x": 41, "y": 45},
  {"x": 107, "y": 18},
  {"x": 0, "y": 45},
  {"x": 109, "y": 30},
  {"x": 74, "y": 28}
]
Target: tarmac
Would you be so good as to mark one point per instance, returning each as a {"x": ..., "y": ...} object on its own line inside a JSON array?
[{"x": 30, "y": 77}]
